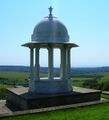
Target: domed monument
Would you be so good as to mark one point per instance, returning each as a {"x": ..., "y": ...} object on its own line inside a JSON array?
[{"x": 50, "y": 34}]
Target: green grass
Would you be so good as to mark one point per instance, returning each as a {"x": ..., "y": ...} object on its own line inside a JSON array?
[
  {"x": 101, "y": 80},
  {"x": 11, "y": 79},
  {"x": 104, "y": 79},
  {"x": 15, "y": 77},
  {"x": 78, "y": 81},
  {"x": 105, "y": 96},
  {"x": 18, "y": 78},
  {"x": 3, "y": 86},
  {"x": 3, "y": 90},
  {"x": 95, "y": 112},
  {"x": 80, "y": 78}
]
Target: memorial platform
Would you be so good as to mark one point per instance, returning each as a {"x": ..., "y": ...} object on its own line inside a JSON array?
[{"x": 23, "y": 100}]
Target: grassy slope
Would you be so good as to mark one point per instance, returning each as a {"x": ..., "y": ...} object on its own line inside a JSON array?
[
  {"x": 14, "y": 75},
  {"x": 105, "y": 78},
  {"x": 98, "y": 112},
  {"x": 78, "y": 81},
  {"x": 22, "y": 77},
  {"x": 105, "y": 96},
  {"x": 19, "y": 77},
  {"x": 95, "y": 112},
  {"x": 3, "y": 90}
]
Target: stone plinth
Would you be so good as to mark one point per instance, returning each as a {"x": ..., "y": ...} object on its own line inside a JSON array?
[
  {"x": 21, "y": 98},
  {"x": 47, "y": 86}
]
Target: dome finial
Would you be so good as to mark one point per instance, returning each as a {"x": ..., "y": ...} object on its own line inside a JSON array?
[{"x": 50, "y": 10}]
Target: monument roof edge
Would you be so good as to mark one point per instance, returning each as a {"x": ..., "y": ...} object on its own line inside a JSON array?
[{"x": 46, "y": 44}]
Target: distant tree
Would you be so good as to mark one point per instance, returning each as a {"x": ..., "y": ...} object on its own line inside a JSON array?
[{"x": 92, "y": 83}]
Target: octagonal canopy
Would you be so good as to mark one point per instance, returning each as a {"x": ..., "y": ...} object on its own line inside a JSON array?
[{"x": 50, "y": 29}]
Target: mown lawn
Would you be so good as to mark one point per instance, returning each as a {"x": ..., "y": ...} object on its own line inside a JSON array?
[{"x": 94, "y": 112}]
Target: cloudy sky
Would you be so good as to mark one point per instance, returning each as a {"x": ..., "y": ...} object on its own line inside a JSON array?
[{"x": 87, "y": 22}]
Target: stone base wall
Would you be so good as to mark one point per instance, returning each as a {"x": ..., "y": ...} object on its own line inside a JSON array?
[
  {"x": 30, "y": 101},
  {"x": 50, "y": 86}
]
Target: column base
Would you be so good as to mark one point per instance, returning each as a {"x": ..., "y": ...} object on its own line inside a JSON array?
[{"x": 45, "y": 85}]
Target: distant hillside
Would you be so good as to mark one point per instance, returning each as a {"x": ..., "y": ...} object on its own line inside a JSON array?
[
  {"x": 90, "y": 70},
  {"x": 20, "y": 68},
  {"x": 45, "y": 69},
  {"x": 14, "y": 68}
]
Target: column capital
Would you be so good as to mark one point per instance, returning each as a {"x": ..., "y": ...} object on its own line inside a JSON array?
[
  {"x": 49, "y": 47},
  {"x": 63, "y": 47}
]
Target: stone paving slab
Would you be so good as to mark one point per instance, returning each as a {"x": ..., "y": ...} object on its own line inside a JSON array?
[
  {"x": 20, "y": 90},
  {"x": 105, "y": 92},
  {"x": 6, "y": 112},
  {"x": 84, "y": 90},
  {"x": 23, "y": 91}
]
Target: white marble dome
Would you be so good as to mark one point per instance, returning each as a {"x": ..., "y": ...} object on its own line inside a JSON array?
[{"x": 50, "y": 29}]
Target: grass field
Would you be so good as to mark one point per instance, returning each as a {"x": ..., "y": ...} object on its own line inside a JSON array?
[
  {"x": 21, "y": 78},
  {"x": 94, "y": 112},
  {"x": 11, "y": 79},
  {"x": 78, "y": 81},
  {"x": 14, "y": 77},
  {"x": 105, "y": 96},
  {"x": 3, "y": 90},
  {"x": 18, "y": 78}
]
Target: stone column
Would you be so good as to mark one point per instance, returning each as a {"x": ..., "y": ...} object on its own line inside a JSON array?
[
  {"x": 50, "y": 63},
  {"x": 68, "y": 65},
  {"x": 63, "y": 64},
  {"x": 36, "y": 69},
  {"x": 31, "y": 63}
]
